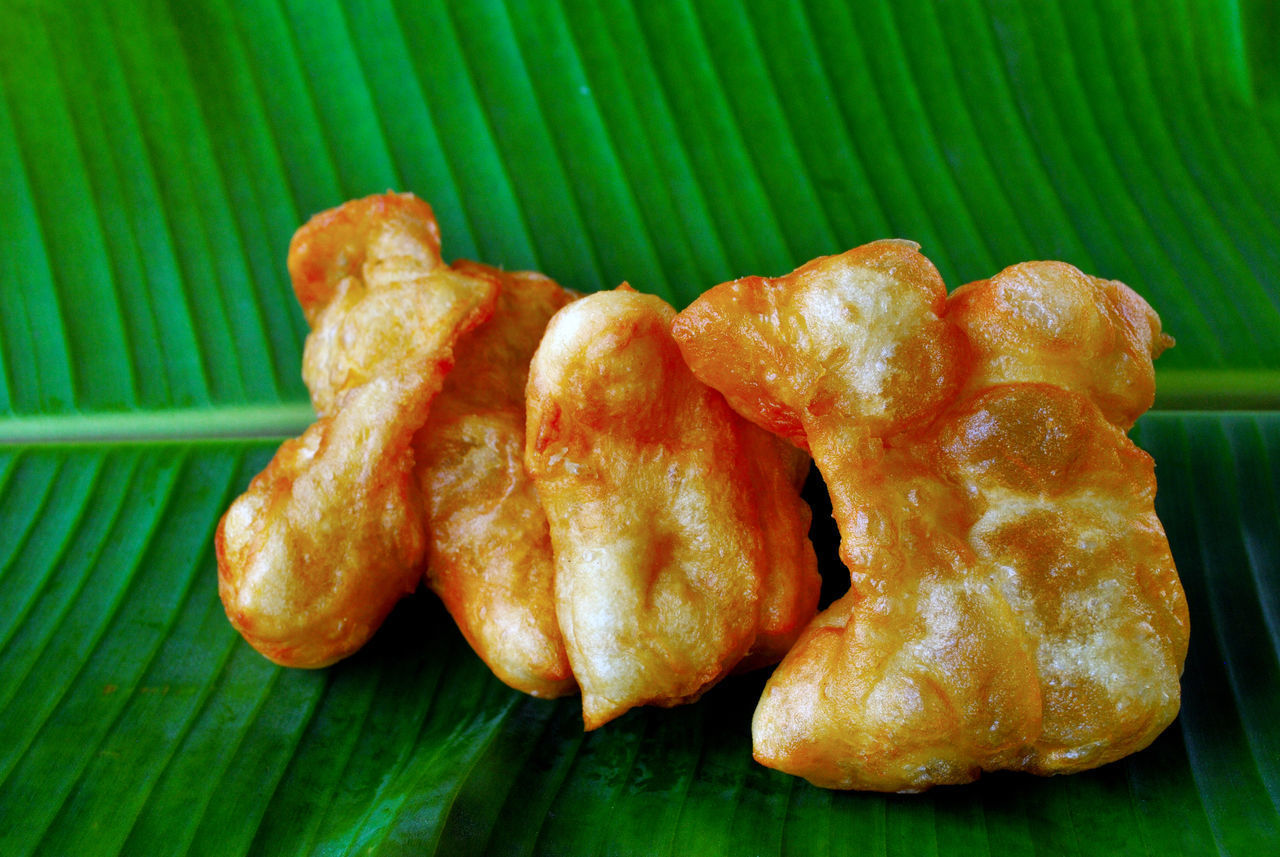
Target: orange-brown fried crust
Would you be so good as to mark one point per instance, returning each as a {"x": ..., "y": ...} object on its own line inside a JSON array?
[
  {"x": 674, "y": 559},
  {"x": 790, "y": 583},
  {"x": 859, "y": 333},
  {"x": 1014, "y": 602},
  {"x": 315, "y": 553},
  {"x": 1049, "y": 322},
  {"x": 489, "y": 554}
]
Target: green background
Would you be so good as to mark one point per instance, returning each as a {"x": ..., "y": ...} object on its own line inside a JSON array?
[{"x": 155, "y": 159}]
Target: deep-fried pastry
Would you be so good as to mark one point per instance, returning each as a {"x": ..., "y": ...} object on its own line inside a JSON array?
[
  {"x": 856, "y": 333},
  {"x": 1049, "y": 322},
  {"x": 649, "y": 483},
  {"x": 330, "y": 535},
  {"x": 489, "y": 554},
  {"x": 1014, "y": 603},
  {"x": 790, "y": 582}
]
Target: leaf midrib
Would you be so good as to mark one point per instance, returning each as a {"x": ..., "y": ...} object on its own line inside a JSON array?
[
  {"x": 282, "y": 419},
  {"x": 1177, "y": 390}
]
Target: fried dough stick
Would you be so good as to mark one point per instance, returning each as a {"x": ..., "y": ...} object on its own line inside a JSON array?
[
  {"x": 1014, "y": 603},
  {"x": 489, "y": 555},
  {"x": 329, "y": 536},
  {"x": 674, "y": 562}
]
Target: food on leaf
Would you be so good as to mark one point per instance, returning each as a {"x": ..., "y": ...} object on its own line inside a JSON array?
[
  {"x": 674, "y": 558},
  {"x": 489, "y": 554},
  {"x": 330, "y": 535},
  {"x": 1014, "y": 603}
]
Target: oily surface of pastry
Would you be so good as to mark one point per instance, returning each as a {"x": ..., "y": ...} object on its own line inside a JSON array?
[
  {"x": 1013, "y": 601},
  {"x": 788, "y": 568},
  {"x": 648, "y": 478},
  {"x": 330, "y": 535},
  {"x": 489, "y": 554}
]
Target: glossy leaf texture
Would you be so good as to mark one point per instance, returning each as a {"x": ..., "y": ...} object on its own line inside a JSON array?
[{"x": 155, "y": 157}]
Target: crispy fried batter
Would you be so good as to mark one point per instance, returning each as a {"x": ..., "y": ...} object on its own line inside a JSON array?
[
  {"x": 855, "y": 333},
  {"x": 1048, "y": 322},
  {"x": 489, "y": 555},
  {"x": 1014, "y": 603},
  {"x": 669, "y": 568},
  {"x": 790, "y": 583},
  {"x": 314, "y": 554}
]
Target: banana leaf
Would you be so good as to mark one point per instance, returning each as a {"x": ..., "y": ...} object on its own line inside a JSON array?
[{"x": 155, "y": 158}]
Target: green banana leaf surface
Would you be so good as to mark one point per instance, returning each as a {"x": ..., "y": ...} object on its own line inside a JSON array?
[{"x": 155, "y": 158}]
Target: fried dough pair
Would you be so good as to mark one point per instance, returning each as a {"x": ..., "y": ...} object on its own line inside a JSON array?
[
  {"x": 412, "y": 471},
  {"x": 680, "y": 539},
  {"x": 331, "y": 534},
  {"x": 1013, "y": 601},
  {"x": 489, "y": 556}
]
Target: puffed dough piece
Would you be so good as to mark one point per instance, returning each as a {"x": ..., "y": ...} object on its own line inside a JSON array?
[
  {"x": 675, "y": 558},
  {"x": 1014, "y": 603},
  {"x": 1048, "y": 322},
  {"x": 330, "y": 535},
  {"x": 856, "y": 333},
  {"x": 790, "y": 583},
  {"x": 489, "y": 555}
]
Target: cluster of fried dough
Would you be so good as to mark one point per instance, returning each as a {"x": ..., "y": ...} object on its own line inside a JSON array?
[
  {"x": 605, "y": 494},
  {"x": 647, "y": 542}
]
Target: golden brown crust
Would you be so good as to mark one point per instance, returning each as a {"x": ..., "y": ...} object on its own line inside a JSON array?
[
  {"x": 643, "y": 472},
  {"x": 314, "y": 554},
  {"x": 357, "y": 239},
  {"x": 489, "y": 556},
  {"x": 1048, "y": 322},
  {"x": 859, "y": 333},
  {"x": 1014, "y": 603},
  {"x": 790, "y": 583}
]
